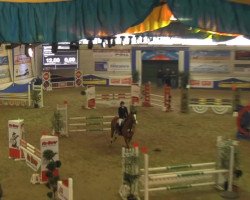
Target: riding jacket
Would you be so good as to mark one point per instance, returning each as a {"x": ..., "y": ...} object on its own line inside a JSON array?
[{"x": 123, "y": 112}]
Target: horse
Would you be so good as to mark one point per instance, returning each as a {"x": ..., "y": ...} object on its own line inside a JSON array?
[{"x": 127, "y": 129}]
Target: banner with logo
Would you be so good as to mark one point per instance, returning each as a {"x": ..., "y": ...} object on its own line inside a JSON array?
[
  {"x": 65, "y": 189},
  {"x": 242, "y": 55},
  {"x": 228, "y": 83},
  {"x": 210, "y": 67},
  {"x": 210, "y": 55},
  {"x": 22, "y": 67},
  {"x": 4, "y": 66},
  {"x": 120, "y": 80},
  {"x": 112, "y": 59},
  {"x": 90, "y": 79},
  {"x": 201, "y": 84},
  {"x": 48, "y": 142},
  {"x": 16, "y": 130}
]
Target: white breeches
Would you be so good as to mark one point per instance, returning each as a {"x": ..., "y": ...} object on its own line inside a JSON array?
[{"x": 120, "y": 120}]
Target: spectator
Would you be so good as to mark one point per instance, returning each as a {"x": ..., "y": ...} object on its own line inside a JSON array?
[{"x": 160, "y": 78}]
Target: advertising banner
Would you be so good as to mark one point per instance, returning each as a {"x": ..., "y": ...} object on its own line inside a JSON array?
[
  {"x": 4, "y": 66},
  {"x": 65, "y": 189},
  {"x": 119, "y": 66},
  {"x": 242, "y": 68},
  {"x": 242, "y": 55},
  {"x": 228, "y": 83},
  {"x": 91, "y": 79},
  {"x": 16, "y": 130},
  {"x": 120, "y": 80},
  {"x": 210, "y": 55},
  {"x": 210, "y": 67},
  {"x": 4, "y": 74},
  {"x": 112, "y": 59},
  {"x": 201, "y": 84},
  {"x": 111, "y": 53},
  {"x": 48, "y": 142},
  {"x": 22, "y": 67}
]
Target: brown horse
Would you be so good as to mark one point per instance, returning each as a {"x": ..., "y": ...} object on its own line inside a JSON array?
[{"x": 127, "y": 129}]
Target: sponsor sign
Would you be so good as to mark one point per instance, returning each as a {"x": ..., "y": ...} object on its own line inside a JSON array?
[
  {"x": 209, "y": 67},
  {"x": 232, "y": 82},
  {"x": 119, "y": 66},
  {"x": 210, "y": 55},
  {"x": 48, "y": 143},
  {"x": 242, "y": 55},
  {"x": 201, "y": 84},
  {"x": 4, "y": 74},
  {"x": 91, "y": 79},
  {"x": 15, "y": 129},
  {"x": 22, "y": 67},
  {"x": 120, "y": 80},
  {"x": 65, "y": 189},
  {"x": 112, "y": 53}
]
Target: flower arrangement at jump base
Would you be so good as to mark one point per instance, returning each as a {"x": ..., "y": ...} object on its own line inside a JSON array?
[
  {"x": 52, "y": 167},
  {"x": 57, "y": 123}
]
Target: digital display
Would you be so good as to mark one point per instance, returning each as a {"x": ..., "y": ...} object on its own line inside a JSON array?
[{"x": 64, "y": 58}]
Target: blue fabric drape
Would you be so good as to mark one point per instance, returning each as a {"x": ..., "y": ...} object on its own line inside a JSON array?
[{"x": 69, "y": 21}]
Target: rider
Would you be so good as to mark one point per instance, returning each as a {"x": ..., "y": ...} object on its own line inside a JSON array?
[{"x": 123, "y": 114}]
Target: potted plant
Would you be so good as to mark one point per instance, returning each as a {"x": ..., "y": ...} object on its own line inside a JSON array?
[
  {"x": 52, "y": 165},
  {"x": 35, "y": 97},
  {"x": 57, "y": 123},
  {"x": 135, "y": 76}
]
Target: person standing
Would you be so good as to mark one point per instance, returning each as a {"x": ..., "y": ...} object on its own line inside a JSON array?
[
  {"x": 160, "y": 77},
  {"x": 167, "y": 77}
]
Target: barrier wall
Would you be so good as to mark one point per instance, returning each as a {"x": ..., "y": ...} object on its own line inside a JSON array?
[{"x": 22, "y": 99}]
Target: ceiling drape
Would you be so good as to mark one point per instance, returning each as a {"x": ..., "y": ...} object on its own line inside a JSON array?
[{"x": 70, "y": 20}]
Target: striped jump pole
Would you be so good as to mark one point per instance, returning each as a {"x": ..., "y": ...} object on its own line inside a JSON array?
[
  {"x": 90, "y": 124},
  {"x": 132, "y": 97},
  {"x": 156, "y": 179},
  {"x": 162, "y": 101}
]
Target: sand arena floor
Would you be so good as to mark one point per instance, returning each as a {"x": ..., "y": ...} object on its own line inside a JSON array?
[{"x": 95, "y": 166}]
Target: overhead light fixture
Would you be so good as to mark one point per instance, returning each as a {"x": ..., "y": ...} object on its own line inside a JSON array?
[
  {"x": 28, "y": 50},
  {"x": 90, "y": 43},
  {"x": 137, "y": 39},
  {"x": 122, "y": 40},
  {"x": 142, "y": 39},
  {"x": 103, "y": 43}
]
